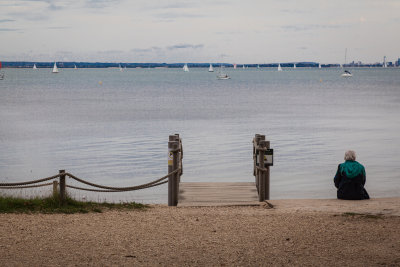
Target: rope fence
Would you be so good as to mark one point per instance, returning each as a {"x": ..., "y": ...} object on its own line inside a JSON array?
[
  {"x": 31, "y": 182},
  {"x": 26, "y": 186},
  {"x": 175, "y": 168}
]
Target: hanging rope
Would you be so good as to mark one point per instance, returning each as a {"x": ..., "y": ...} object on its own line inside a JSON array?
[
  {"x": 31, "y": 182},
  {"x": 27, "y": 186},
  {"x": 131, "y": 188},
  {"x": 110, "y": 191}
]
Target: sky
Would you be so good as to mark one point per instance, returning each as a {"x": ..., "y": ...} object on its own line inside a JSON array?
[{"x": 234, "y": 31}]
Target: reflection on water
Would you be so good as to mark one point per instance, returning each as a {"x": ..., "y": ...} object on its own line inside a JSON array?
[{"x": 112, "y": 127}]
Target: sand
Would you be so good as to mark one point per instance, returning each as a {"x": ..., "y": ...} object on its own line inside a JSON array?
[{"x": 292, "y": 233}]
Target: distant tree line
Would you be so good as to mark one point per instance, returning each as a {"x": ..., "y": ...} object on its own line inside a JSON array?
[{"x": 61, "y": 64}]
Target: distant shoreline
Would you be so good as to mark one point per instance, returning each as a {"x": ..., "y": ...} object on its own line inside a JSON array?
[{"x": 72, "y": 64}]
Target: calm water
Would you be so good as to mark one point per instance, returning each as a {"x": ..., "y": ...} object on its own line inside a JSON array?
[{"x": 112, "y": 127}]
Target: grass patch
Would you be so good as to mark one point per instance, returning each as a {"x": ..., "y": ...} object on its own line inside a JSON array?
[
  {"x": 52, "y": 205},
  {"x": 363, "y": 215}
]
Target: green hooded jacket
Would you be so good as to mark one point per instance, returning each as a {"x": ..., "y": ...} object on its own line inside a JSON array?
[{"x": 352, "y": 169}]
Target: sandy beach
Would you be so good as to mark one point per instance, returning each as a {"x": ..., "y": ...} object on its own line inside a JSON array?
[{"x": 326, "y": 232}]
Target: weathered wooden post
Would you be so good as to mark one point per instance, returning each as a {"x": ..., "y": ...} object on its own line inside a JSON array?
[
  {"x": 261, "y": 172},
  {"x": 256, "y": 141},
  {"x": 175, "y": 166},
  {"x": 55, "y": 188},
  {"x": 62, "y": 187},
  {"x": 267, "y": 188},
  {"x": 180, "y": 156},
  {"x": 173, "y": 163}
]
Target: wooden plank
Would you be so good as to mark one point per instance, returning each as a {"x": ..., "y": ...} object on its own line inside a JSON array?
[{"x": 217, "y": 194}]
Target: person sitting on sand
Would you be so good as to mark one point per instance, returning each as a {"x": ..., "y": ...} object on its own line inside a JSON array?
[{"x": 350, "y": 178}]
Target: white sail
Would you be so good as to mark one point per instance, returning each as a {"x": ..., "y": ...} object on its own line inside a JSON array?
[
  {"x": 211, "y": 69},
  {"x": 319, "y": 65},
  {"x": 185, "y": 68},
  {"x": 294, "y": 65},
  {"x": 279, "y": 67},
  {"x": 234, "y": 66},
  {"x": 55, "y": 69},
  {"x": 75, "y": 67},
  {"x": 244, "y": 66},
  {"x": 34, "y": 67},
  {"x": 258, "y": 66},
  {"x": 120, "y": 68}
]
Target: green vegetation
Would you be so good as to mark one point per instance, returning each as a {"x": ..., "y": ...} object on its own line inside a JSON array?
[{"x": 52, "y": 205}]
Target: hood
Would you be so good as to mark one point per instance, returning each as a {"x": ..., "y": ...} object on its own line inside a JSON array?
[{"x": 351, "y": 169}]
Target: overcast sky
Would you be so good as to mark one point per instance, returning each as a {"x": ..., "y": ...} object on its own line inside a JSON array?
[{"x": 200, "y": 31}]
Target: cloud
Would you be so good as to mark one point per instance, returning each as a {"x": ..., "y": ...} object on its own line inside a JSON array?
[
  {"x": 309, "y": 27},
  {"x": 294, "y": 11},
  {"x": 8, "y": 30},
  {"x": 146, "y": 50},
  {"x": 100, "y": 3},
  {"x": 173, "y": 16},
  {"x": 54, "y": 7},
  {"x": 184, "y": 46},
  {"x": 110, "y": 52},
  {"x": 58, "y": 28},
  {"x": 6, "y": 20},
  {"x": 177, "y": 5}
]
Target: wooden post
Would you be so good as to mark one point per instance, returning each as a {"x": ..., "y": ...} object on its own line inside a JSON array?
[
  {"x": 172, "y": 166},
  {"x": 255, "y": 142},
  {"x": 261, "y": 174},
  {"x": 62, "y": 187},
  {"x": 175, "y": 166},
  {"x": 55, "y": 188},
  {"x": 180, "y": 156},
  {"x": 267, "y": 145}
]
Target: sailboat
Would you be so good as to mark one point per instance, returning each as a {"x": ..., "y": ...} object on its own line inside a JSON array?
[
  {"x": 294, "y": 65},
  {"x": 346, "y": 73},
  {"x": 185, "y": 68},
  {"x": 279, "y": 67},
  {"x": 221, "y": 74},
  {"x": 55, "y": 69},
  {"x": 75, "y": 68},
  {"x": 120, "y": 68},
  {"x": 211, "y": 69},
  {"x": 258, "y": 66},
  {"x": 34, "y": 67},
  {"x": 244, "y": 66},
  {"x": 234, "y": 66},
  {"x": 319, "y": 65}
]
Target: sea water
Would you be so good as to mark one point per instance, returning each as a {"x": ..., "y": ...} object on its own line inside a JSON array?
[{"x": 111, "y": 127}]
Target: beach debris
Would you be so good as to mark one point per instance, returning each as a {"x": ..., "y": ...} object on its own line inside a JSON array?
[{"x": 267, "y": 205}]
